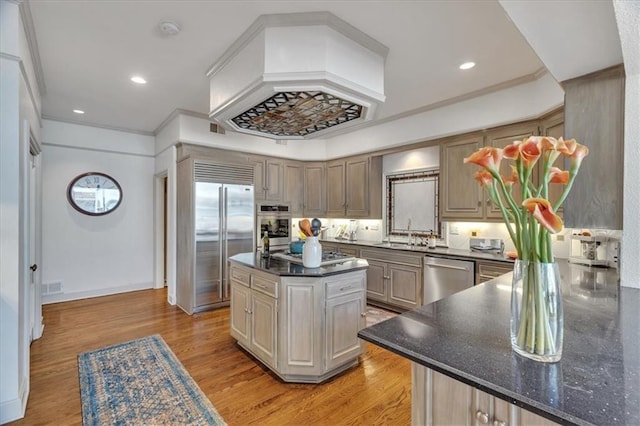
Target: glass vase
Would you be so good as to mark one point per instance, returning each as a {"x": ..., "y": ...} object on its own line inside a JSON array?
[{"x": 536, "y": 311}]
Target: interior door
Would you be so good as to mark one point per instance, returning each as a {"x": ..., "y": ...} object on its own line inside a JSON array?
[{"x": 35, "y": 238}]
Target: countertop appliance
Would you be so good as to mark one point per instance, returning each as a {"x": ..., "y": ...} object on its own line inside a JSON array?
[
  {"x": 487, "y": 245},
  {"x": 276, "y": 220},
  {"x": 589, "y": 250},
  {"x": 223, "y": 227},
  {"x": 444, "y": 277},
  {"x": 328, "y": 257}
]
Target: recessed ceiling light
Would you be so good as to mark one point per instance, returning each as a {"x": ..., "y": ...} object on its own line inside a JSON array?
[
  {"x": 78, "y": 111},
  {"x": 467, "y": 65},
  {"x": 139, "y": 80}
]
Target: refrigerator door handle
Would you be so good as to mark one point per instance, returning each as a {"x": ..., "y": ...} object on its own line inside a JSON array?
[
  {"x": 223, "y": 270},
  {"x": 223, "y": 231}
]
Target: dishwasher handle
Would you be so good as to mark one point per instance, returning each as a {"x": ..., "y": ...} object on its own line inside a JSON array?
[{"x": 437, "y": 265}]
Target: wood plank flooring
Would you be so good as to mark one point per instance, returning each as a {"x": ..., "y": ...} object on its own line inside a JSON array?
[{"x": 377, "y": 392}]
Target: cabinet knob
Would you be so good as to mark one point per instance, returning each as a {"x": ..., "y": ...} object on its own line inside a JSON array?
[
  {"x": 386, "y": 277},
  {"x": 479, "y": 203},
  {"x": 363, "y": 314},
  {"x": 499, "y": 423},
  {"x": 482, "y": 417}
]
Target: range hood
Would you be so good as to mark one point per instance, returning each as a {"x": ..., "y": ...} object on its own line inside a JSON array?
[{"x": 297, "y": 76}]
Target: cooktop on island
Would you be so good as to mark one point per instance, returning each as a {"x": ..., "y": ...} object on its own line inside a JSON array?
[{"x": 328, "y": 257}]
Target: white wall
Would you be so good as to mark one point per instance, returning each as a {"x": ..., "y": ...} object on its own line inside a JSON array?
[
  {"x": 19, "y": 112},
  {"x": 97, "y": 255},
  {"x": 165, "y": 165}
]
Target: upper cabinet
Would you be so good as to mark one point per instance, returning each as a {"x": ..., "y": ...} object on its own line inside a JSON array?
[
  {"x": 294, "y": 187},
  {"x": 269, "y": 179},
  {"x": 594, "y": 116},
  {"x": 354, "y": 187},
  {"x": 461, "y": 198},
  {"x": 499, "y": 138},
  {"x": 315, "y": 193}
]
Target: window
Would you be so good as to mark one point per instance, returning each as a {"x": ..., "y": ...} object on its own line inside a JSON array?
[{"x": 412, "y": 198}]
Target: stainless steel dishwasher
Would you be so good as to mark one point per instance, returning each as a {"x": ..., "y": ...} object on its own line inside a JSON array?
[{"x": 443, "y": 277}]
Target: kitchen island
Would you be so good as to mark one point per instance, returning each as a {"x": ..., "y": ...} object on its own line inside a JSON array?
[
  {"x": 302, "y": 323},
  {"x": 464, "y": 371}
]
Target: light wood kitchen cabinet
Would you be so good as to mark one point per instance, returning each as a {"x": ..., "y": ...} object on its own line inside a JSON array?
[
  {"x": 394, "y": 279},
  {"x": 437, "y": 399},
  {"x": 304, "y": 329},
  {"x": 553, "y": 125},
  {"x": 461, "y": 197},
  {"x": 253, "y": 315},
  {"x": 294, "y": 188},
  {"x": 269, "y": 179},
  {"x": 594, "y": 116},
  {"x": 314, "y": 190},
  {"x": 487, "y": 270},
  {"x": 354, "y": 187},
  {"x": 499, "y": 138}
]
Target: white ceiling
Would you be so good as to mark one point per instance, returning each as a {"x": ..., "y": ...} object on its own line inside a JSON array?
[{"x": 89, "y": 49}]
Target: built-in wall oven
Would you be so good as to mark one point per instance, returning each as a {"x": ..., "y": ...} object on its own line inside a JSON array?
[{"x": 276, "y": 220}]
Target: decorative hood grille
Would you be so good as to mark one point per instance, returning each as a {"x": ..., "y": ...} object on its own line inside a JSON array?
[
  {"x": 297, "y": 114},
  {"x": 297, "y": 76}
]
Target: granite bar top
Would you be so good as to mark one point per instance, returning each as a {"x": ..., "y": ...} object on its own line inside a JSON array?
[
  {"x": 436, "y": 252},
  {"x": 466, "y": 336},
  {"x": 284, "y": 268}
]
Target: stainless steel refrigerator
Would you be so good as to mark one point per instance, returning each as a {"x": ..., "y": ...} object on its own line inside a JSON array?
[{"x": 224, "y": 226}]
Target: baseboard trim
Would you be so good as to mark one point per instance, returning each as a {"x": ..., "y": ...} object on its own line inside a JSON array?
[
  {"x": 14, "y": 409},
  {"x": 77, "y": 295}
]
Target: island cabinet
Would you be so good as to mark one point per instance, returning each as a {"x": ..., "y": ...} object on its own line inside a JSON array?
[
  {"x": 268, "y": 179},
  {"x": 437, "y": 399},
  {"x": 486, "y": 270},
  {"x": 304, "y": 329},
  {"x": 354, "y": 187},
  {"x": 394, "y": 279}
]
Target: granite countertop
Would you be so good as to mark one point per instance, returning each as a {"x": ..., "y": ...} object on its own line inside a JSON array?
[
  {"x": 466, "y": 336},
  {"x": 437, "y": 252},
  {"x": 284, "y": 268}
]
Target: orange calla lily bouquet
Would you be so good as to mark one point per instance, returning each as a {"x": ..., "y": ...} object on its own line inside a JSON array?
[{"x": 535, "y": 219}]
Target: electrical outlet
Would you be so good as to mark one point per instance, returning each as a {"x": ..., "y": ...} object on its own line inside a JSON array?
[
  {"x": 474, "y": 233},
  {"x": 453, "y": 230},
  {"x": 374, "y": 227},
  {"x": 560, "y": 237}
]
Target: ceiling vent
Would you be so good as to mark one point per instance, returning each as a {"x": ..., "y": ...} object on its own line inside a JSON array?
[{"x": 297, "y": 76}]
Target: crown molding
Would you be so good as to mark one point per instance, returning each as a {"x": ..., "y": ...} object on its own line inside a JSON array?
[
  {"x": 176, "y": 112},
  {"x": 30, "y": 34},
  {"x": 100, "y": 126}
]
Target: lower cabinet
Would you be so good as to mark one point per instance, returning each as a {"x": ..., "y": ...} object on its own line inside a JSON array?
[
  {"x": 437, "y": 399},
  {"x": 486, "y": 270},
  {"x": 304, "y": 329},
  {"x": 394, "y": 279}
]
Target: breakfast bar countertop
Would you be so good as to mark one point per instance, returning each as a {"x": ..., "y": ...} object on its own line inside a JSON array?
[
  {"x": 466, "y": 337},
  {"x": 284, "y": 268}
]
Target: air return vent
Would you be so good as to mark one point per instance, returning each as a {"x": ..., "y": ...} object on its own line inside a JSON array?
[
  {"x": 223, "y": 173},
  {"x": 216, "y": 128}
]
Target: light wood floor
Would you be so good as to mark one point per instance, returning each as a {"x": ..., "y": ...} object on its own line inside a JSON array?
[{"x": 377, "y": 392}]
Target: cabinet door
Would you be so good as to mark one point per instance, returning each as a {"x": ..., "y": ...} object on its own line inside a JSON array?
[
  {"x": 263, "y": 327},
  {"x": 461, "y": 196},
  {"x": 274, "y": 171},
  {"x": 336, "y": 189},
  {"x": 450, "y": 400},
  {"x": 404, "y": 285},
  {"x": 294, "y": 187},
  {"x": 314, "y": 190},
  {"x": 357, "y": 187},
  {"x": 344, "y": 319},
  {"x": 499, "y": 139},
  {"x": 260, "y": 185},
  {"x": 240, "y": 317},
  {"x": 554, "y": 126},
  {"x": 377, "y": 280}
]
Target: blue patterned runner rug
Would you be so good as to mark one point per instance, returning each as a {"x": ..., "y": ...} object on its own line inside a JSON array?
[{"x": 141, "y": 382}]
